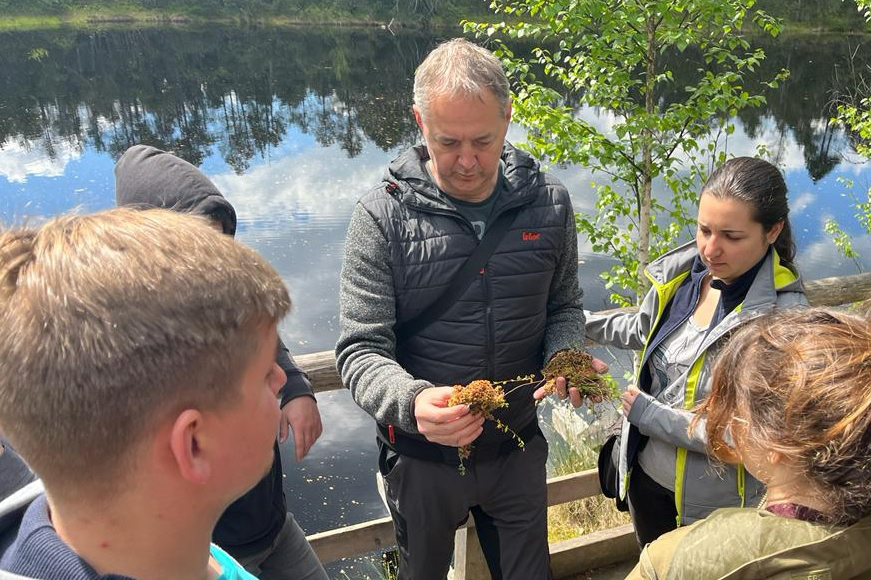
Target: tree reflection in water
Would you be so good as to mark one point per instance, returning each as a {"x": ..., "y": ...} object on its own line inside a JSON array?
[
  {"x": 242, "y": 90},
  {"x": 187, "y": 90}
]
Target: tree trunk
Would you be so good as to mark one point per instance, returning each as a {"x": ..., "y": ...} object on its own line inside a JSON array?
[{"x": 646, "y": 162}]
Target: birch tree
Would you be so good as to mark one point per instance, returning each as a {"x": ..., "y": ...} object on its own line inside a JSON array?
[{"x": 613, "y": 56}]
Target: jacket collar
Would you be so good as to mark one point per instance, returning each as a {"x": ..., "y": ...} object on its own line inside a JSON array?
[
  {"x": 671, "y": 264},
  {"x": 39, "y": 552},
  {"x": 413, "y": 186},
  {"x": 757, "y": 287}
]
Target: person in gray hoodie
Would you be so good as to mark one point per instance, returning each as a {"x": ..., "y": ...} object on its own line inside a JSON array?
[
  {"x": 407, "y": 240},
  {"x": 257, "y": 529}
]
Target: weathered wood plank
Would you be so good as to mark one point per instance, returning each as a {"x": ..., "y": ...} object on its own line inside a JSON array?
[
  {"x": 353, "y": 540},
  {"x": 378, "y": 534},
  {"x": 469, "y": 562},
  {"x": 838, "y": 290},
  {"x": 570, "y": 557},
  {"x": 321, "y": 370},
  {"x": 594, "y": 550},
  {"x": 568, "y": 488}
]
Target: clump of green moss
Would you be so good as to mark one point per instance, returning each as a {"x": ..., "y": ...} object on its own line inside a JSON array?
[{"x": 577, "y": 368}]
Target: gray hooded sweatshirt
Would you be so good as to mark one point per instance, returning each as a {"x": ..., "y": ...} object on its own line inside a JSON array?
[{"x": 145, "y": 178}]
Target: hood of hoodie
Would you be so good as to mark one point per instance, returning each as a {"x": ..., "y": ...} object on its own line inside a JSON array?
[{"x": 146, "y": 177}]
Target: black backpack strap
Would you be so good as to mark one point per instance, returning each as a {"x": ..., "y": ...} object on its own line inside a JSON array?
[{"x": 464, "y": 277}]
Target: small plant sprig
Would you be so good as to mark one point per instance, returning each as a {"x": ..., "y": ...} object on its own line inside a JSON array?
[{"x": 577, "y": 368}]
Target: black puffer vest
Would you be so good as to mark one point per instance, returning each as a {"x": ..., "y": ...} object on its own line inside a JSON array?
[{"x": 496, "y": 329}]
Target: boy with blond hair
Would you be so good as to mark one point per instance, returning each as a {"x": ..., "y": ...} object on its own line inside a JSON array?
[{"x": 138, "y": 380}]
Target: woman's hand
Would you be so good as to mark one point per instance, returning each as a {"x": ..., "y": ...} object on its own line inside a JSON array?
[{"x": 629, "y": 397}]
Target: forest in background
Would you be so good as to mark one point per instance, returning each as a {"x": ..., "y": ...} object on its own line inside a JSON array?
[
  {"x": 408, "y": 12},
  {"x": 831, "y": 15}
]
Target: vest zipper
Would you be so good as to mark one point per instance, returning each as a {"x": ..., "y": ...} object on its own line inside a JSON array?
[{"x": 488, "y": 315}]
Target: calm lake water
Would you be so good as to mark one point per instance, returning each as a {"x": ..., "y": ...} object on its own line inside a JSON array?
[{"x": 294, "y": 126}]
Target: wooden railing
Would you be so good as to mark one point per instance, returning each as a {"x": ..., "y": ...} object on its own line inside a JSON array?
[{"x": 567, "y": 558}]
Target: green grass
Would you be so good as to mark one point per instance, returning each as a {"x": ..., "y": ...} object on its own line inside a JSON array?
[
  {"x": 448, "y": 17},
  {"x": 836, "y": 26},
  {"x": 575, "y": 438},
  {"x": 382, "y": 566},
  {"x": 90, "y": 18},
  {"x": 30, "y": 22},
  {"x": 83, "y": 15}
]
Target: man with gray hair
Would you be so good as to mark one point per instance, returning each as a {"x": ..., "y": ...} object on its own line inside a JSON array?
[{"x": 460, "y": 265}]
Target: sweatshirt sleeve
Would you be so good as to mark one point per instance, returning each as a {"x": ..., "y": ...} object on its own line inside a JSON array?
[
  {"x": 297, "y": 383},
  {"x": 565, "y": 313},
  {"x": 623, "y": 329},
  {"x": 655, "y": 419},
  {"x": 366, "y": 349}
]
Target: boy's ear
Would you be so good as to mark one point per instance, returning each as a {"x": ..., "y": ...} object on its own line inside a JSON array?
[{"x": 185, "y": 437}]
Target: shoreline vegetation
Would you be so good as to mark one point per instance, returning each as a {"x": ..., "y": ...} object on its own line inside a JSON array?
[
  {"x": 435, "y": 16},
  {"x": 99, "y": 15}
]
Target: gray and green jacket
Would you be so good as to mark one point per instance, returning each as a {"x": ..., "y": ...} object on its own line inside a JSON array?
[
  {"x": 750, "y": 544},
  {"x": 699, "y": 487},
  {"x": 406, "y": 242}
]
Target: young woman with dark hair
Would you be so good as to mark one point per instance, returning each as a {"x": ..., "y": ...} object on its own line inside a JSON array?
[{"x": 739, "y": 268}]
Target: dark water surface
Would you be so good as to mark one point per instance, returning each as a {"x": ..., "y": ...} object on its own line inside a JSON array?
[{"x": 294, "y": 125}]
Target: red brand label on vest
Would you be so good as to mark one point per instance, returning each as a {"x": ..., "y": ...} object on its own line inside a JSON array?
[{"x": 531, "y": 236}]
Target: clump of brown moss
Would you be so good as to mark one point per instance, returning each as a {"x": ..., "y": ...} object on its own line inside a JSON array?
[
  {"x": 482, "y": 397},
  {"x": 577, "y": 368}
]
